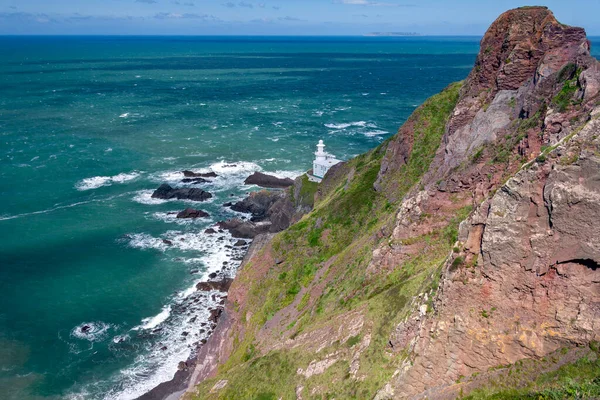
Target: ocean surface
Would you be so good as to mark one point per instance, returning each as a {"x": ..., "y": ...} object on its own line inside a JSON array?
[{"x": 89, "y": 126}]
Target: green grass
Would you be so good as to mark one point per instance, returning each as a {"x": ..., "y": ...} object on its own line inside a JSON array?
[
  {"x": 576, "y": 380},
  {"x": 307, "y": 192},
  {"x": 564, "y": 98}
]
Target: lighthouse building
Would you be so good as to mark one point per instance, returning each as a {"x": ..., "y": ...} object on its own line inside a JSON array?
[{"x": 323, "y": 161}]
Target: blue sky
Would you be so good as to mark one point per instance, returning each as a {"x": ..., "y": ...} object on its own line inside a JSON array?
[{"x": 272, "y": 17}]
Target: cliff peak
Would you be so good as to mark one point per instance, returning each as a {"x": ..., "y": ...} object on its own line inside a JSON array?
[{"x": 515, "y": 43}]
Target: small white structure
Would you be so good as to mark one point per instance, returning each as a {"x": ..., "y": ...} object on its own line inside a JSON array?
[{"x": 323, "y": 161}]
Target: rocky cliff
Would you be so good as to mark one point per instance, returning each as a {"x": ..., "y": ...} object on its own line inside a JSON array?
[{"x": 446, "y": 259}]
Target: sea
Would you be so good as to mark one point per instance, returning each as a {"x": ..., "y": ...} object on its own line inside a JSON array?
[{"x": 96, "y": 276}]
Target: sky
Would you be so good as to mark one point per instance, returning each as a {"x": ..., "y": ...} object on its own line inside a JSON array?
[{"x": 272, "y": 17}]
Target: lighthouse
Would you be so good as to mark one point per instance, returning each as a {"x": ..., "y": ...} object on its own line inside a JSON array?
[{"x": 322, "y": 163}]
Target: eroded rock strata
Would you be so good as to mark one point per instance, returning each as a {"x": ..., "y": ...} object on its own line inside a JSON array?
[{"x": 450, "y": 256}]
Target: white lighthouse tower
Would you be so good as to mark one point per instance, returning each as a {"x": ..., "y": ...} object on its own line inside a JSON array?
[{"x": 323, "y": 161}]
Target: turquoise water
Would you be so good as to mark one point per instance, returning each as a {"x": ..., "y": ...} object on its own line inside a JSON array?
[{"x": 91, "y": 125}]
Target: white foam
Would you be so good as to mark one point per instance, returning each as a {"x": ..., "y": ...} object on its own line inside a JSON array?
[
  {"x": 286, "y": 174},
  {"x": 94, "y": 331},
  {"x": 99, "y": 181},
  {"x": 375, "y": 133},
  {"x": 153, "y": 322},
  {"x": 146, "y": 241},
  {"x": 171, "y": 218},
  {"x": 346, "y": 125},
  {"x": 145, "y": 197},
  {"x": 124, "y": 115}
]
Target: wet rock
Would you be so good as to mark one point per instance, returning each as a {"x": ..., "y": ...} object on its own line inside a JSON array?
[
  {"x": 194, "y": 271},
  {"x": 194, "y": 181},
  {"x": 222, "y": 285},
  {"x": 210, "y": 231},
  {"x": 166, "y": 192},
  {"x": 85, "y": 329},
  {"x": 212, "y": 275},
  {"x": 244, "y": 229},
  {"x": 240, "y": 243},
  {"x": 268, "y": 181},
  {"x": 228, "y": 204},
  {"x": 215, "y": 314},
  {"x": 192, "y": 213},
  {"x": 257, "y": 204},
  {"x": 167, "y": 242},
  {"x": 192, "y": 174}
]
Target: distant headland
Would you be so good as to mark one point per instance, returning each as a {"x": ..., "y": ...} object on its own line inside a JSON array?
[{"x": 387, "y": 34}]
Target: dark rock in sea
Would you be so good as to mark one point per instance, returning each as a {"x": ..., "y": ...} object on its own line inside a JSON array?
[
  {"x": 244, "y": 229},
  {"x": 268, "y": 181},
  {"x": 192, "y": 320},
  {"x": 185, "y": 333},
  {"x": 240, "y": 243},
  {"x": 257, "y": 204},
  {"x": 163, "y": 348},
  {"x": 215, "y": 314},
  {"x": 192, "y": 174},
  {"x": 212, "y": 275},
  {"x": 85, "y": 329},
  {"x": 166, "y": 192},
  {"x": 194, "y": 271},
  {"x": 210, "y": 231},
  {"x": 228, "y": 204},
  {"x": 194, "y": 181},
  {"x": 182, "y": 364},
  {"x": 221, "y": 286},
  {"x": 167, "y": 242},
  {"x": 192, "y": 213}
]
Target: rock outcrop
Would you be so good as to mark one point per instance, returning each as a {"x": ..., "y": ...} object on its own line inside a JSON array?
[
  {"x": 268, "y": 181},
  {"x": 258, "y": 204},
  {"x": 244, "y": 229},
  {"x": 192, "y": 213},
  {"x": 166, "y": 192},
  {"x": 192, "y": 174}
]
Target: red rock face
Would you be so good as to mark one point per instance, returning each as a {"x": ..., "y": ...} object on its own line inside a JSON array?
[
  {"x": 535, "y": 241},
  {"x": 514, "y": 45}
]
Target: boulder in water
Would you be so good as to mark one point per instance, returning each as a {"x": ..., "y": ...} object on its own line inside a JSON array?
[
  {"x": 268, "y": 181},
  {"x": 166, "y": 192},
  {"x": 192, "y": 213},
  {"x": 192, "y": 174}
]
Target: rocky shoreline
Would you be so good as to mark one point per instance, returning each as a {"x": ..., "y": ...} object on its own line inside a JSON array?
[{"x": 268, "y": 212}]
